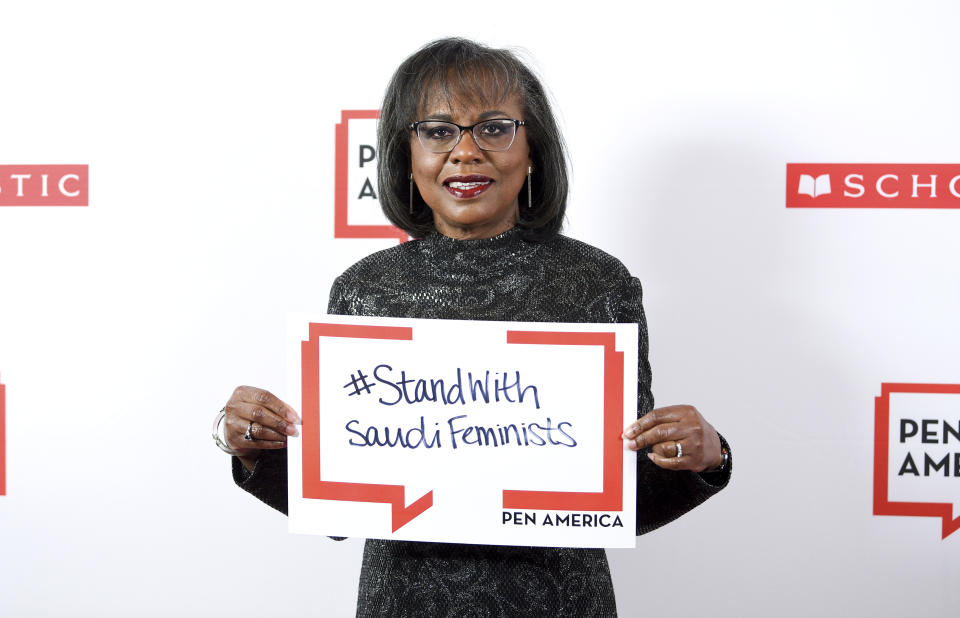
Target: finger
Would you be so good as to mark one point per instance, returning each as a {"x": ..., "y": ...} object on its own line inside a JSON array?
[
  {"x": 261, "y": 432},
  {"x": 263, "y": 416},
  {"x": 241, "y": 414},
  {"x": 254, "y": 445},
  {"x": 265, "y": 444},
  {"x": 235, "y": 431},
  {"x": 669, "y": 463},
  {"x": 266, "y": 399},
  {"x": 657, "y": 416},
  {"x": 250, "y": 394},
  {"x": 668, "y": 449},
  {"x": 669, "y": 432}
]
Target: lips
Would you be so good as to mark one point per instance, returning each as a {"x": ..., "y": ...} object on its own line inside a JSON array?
[{"x": 466, "y": 187}]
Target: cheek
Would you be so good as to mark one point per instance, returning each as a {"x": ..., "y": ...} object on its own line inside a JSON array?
[
  {"x": 425, "y": 168},
  {"x": 518, "y": 172},
  {"x": 521, "y": 164}
]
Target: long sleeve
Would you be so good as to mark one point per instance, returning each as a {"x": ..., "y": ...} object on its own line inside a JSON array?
[
  {"x": 268, "y": 481},
  {"x": 662, "y": 495},
  {"x": 500, "y": 278}
]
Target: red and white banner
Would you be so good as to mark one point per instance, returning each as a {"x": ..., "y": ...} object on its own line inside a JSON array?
[
  {"x": 357, "y": 212},
  {"x": 44, "y": 185},
  {"x": 917, "y": 452},
  {"x": 784, "y": 281},
  {"x": 873, "y": 185}
]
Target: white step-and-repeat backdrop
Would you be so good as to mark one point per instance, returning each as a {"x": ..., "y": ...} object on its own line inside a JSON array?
[{"x": 809, "y": 310}]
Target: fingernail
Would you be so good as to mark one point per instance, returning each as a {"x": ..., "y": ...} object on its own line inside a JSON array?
[
  {"x": 630, "y": 433},
  {"x": 292, "y": 431},
  {"x": 650, "y": 456},
  {"x": 293, "y": 418}
]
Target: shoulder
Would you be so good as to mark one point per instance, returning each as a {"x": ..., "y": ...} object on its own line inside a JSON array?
[
  {"x": 378, "y": 275},
  {"x": 570, "y": 251},
  {"x": 384, "y": 263},
  {"x": 600, "y": 282}
]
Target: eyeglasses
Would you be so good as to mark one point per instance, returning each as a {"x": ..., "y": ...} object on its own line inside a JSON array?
[{"x": 493, "y": 135}]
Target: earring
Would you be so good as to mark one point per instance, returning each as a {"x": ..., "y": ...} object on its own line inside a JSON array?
[
  {"x": 411, "y": 193},
  {"x": 529, "y": 189}
]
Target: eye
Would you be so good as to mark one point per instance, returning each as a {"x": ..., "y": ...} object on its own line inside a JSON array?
[
  {"x": 437, "y": 131},
  {"x": 493, "y": 128}
]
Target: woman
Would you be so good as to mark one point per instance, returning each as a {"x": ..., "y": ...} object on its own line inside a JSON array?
[{"x": 472, "y": 165}]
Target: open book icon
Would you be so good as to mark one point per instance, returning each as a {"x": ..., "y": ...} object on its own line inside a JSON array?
[{"x": 814, "y": 188}]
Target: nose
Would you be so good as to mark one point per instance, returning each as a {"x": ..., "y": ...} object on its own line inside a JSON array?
[{"x": 466, "y": 150}]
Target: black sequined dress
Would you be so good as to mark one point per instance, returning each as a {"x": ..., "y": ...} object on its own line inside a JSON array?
[{"x": 500, "y": 278}]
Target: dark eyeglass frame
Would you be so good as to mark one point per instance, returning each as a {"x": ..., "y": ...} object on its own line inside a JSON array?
[{"x": 516, "y": 126}]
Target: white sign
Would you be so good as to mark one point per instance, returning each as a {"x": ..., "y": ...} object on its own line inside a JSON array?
[
  {"x": 502, "y": 433},
  {"x": 917, "y": 452}
]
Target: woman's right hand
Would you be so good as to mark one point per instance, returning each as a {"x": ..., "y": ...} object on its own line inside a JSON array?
[{"x": 261, "y": 415}]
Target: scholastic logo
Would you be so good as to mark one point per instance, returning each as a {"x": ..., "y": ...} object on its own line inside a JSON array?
[
  {"x": 873, "y": 185},
  {"x": 44, "y": 185},
  {"x": 917, "y": 452},
  {"x": 356, "y": 209}
]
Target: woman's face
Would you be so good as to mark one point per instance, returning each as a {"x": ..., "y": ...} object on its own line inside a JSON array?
[{"x": 472, "y": 192}]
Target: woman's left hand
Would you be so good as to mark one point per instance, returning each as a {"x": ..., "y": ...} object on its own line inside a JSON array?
[{"x": 679, "y": 437}]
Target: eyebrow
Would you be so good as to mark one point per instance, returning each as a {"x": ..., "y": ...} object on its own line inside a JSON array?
[{"x": 494, "y": 113}]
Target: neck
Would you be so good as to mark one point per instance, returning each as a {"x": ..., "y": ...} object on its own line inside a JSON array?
[{"x": 487, "y": 229}]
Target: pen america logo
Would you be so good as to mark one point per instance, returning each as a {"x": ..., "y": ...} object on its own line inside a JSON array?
[
  {"x": 917, "y": 452},
  {"x": 873, "y": 185},
  {"x": 44, "y": 185},
  {"x": 356, "y": 209}
]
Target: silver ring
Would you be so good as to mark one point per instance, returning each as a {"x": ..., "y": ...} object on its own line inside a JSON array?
[
  {"x": 249, "y": 436},
  {"x": 679, "y": 450}
]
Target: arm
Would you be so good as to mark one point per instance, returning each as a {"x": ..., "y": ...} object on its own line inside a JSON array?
[
  {"x": 257, "y": 426},
  {"x": 262, "y": 471},
  {"x": 668, "y": 486},
  {"x": 267, "y": 481}
]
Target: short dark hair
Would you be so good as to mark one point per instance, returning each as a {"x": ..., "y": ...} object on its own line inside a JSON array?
[{"x": 464, "y": 71}]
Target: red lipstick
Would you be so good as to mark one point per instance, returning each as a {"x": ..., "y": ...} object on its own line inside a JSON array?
[{"x": 467, "y": 187}]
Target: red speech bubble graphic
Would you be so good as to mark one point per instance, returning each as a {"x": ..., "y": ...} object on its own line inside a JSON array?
[
  {"x": 609, "y": 499},
  {"x": 873, "y": 185},
  {"x": 313, "y": 485},
  {"x": 341, "y": 224},
  {"x": 881, "y": 458},
  {"x": 44, "y": 185}
]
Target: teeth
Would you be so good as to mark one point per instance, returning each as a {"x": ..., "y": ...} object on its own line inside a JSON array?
[{"x": 468, "y": 185}]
